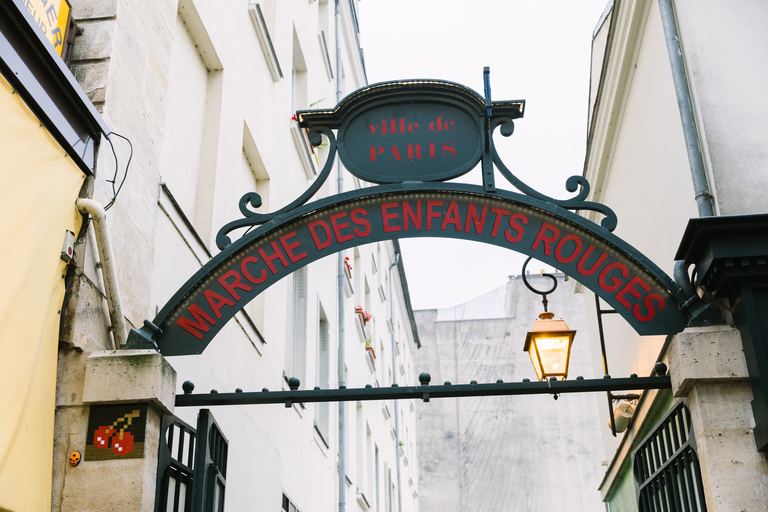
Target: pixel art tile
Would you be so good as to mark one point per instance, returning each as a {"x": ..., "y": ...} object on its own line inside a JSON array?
[{"x": 116, "y": 432}]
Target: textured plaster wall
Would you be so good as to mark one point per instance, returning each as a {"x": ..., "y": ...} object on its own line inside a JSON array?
[{"x": 505, "y": 453}]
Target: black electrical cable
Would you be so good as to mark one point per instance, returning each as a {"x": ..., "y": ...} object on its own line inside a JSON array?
[{"x": 125, "y": 175}]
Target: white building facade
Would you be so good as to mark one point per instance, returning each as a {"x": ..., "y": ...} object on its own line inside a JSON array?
[
  {"x": 206, "y": 92},
  {"x": 657, "y": 169}
]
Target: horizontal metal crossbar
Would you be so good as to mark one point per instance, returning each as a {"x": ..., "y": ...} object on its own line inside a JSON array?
[{"x": 424, "y": 392}]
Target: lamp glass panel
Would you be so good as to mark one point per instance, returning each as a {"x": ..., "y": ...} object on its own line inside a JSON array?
[
  {"x": 553, "y": 352},
  {"x": 535, "y": 360}
]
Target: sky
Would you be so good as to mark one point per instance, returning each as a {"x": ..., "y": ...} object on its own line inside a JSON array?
[{"x": 538, "y": 51}]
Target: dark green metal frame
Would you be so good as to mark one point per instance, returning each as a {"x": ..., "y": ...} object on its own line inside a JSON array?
[{"x": 424, "y": 392}]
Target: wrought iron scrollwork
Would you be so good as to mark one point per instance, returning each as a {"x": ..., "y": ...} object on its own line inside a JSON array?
[
  {"x": 251, "y": 218},
  {"x": 543, "y": 294},
  {"x": 574, "y": 183}
]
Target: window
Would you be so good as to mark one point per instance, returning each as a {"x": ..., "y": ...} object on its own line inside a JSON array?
[
  {"x": 192, "y": 119},
  {"x": 263, "y": 18},
  {"x": 296, "y": 348},
  {"x": 322, "y": 409},
  {"x": 359, "y": 449},
  {"x": 666, "y": 467},
  {"x": 288, "y": 505}
]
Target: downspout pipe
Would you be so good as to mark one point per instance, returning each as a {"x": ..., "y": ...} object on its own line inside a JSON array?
[
  {"x": 340, "y": 290},
  {"x": 108, "y": 267},
  {"x": 394, "y": 383},
  {"x": 683, "y": 93}
]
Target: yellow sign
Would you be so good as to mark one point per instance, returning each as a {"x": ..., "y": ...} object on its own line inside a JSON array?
[{"x": 51, "y": 16}]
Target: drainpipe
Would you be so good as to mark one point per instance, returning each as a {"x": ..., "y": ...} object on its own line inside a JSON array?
[
  {"x": 108, "y": 269},
  {"x": 683, "y": 93},
  {"x": 394, "y": 383},
  {"x": 340, "y": 290}
]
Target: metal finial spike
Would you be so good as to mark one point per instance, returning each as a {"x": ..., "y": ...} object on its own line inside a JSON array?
[
  {"x": 424, "y": 378},
  {"x": 294, "y": 383},
  {"x": 214, "y": 391},
  {"x": 238, "y": 390},
  {"x": 499, "y": 381},
  {"x": 660, "y": 369},
  {"x": 264, "y": 390},
  {"x": 473, "y": 382},
  {"x": 188, "y": 387}
]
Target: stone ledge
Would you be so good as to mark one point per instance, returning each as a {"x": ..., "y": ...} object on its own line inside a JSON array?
[
  {"x": 122, "y": 376},
  {"x": 706, "y": 354}
]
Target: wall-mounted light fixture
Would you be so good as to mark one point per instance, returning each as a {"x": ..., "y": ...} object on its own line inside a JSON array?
[{"x": 549, "y": 341}]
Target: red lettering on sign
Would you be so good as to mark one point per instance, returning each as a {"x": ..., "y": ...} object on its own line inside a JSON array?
[
  {"x": 338, "y": 226},
  {"x": 431, "y": 214},
  {"x": 217, "y": 302},
  {"x": 395, "y": 152},
  {"x": 452, "y": 217},
  {"x": 554, "y": 233},
  {"x": 473, "y": 218},
  {"x": 514, "y": 222},
  {"x": 412, "y": 127},
  {"x": 500, "y": 214},
  {"x": 431, "y": 150},
  {"x": 290, "y": 247},
  {"x": 278, "y": 254},
  {"x": 376, "y": 150},
  {"x": 386, "y": 217},
  {"x": 243, "y": 268},
  {"x": 230, "y": 287},
  {"x": 358, "y": 219},
  {"x": 313, "y": 231},
  {"x": 630, "y": 287},
  {"x": 615, "y": 281},
  {"x": 411, "y": 151},
  {"x": 193, "y": 327},
  {"x": 648, "y": 302},
  {"x": 408, "y": 213},
  {"x": 576, "y": 249},
  {"x": 438, "y": 124},
  {"x": 580, "y": 267},
  {"x": 449, "y": 147}
]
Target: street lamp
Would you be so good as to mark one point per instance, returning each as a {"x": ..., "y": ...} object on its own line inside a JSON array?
[
  {"x": 549, "y": 345},
  {"x": 549, "y": 342}
]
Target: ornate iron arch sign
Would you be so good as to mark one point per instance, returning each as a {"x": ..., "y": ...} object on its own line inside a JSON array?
[{"x": 409, "y": 137}]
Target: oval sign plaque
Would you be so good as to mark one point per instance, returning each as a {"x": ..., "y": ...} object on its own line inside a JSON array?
[{"x": 411, "y": 141}]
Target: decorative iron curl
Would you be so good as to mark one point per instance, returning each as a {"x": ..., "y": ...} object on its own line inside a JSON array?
[
  {"x": 251, "y": 218},
  {"x": 574, "y": 183},
  {"x": 534, "y": 290}
]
